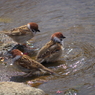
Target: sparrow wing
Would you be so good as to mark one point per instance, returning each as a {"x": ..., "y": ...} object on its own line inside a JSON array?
[
  {"x": 22, "y": 30},
  {"x": 47, "y": 51},
  {"x": 26, "y": 62}
]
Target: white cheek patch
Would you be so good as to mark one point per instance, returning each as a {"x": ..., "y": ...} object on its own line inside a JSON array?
[
  {"x": 16, "y": 58},
  {"x": 28, "y": 25},
  {"x": 59, "y": 41},
  {"x": 33, "y": 31},
  {"x": 56, "y": 39}
]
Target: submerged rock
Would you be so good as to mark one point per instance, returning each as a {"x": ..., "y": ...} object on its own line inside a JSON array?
[
  {"x": 13, "y": 88},
  {"x": 7, "y": 44}
]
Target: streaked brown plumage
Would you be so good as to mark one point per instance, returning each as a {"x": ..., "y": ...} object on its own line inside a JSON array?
[
  {"x": 26, "y": 64},
  {"x": 52, "y": 50},
  {"x": 23, "y": 33}
]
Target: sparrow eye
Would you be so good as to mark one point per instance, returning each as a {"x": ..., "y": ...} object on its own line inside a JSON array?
[{"x": 33, "y": 30}]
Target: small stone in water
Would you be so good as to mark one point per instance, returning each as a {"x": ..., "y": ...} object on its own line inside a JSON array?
[
  {"x": 71, "y": 92},
  {"x": 63, "y": 66},
  {"x": 58, "y": 91}
]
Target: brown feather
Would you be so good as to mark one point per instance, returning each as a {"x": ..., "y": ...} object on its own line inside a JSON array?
[
  {"x": 51, "y": 51},
  {"x": 28, "y": 65}
]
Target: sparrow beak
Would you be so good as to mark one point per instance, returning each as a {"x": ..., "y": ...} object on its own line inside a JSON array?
[
  {"x": 38, "y": 30},
  {"x": 35, "y": 30},
  {"x": 64, "y": 37}
]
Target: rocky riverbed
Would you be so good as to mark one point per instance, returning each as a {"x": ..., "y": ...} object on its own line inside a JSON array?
[
  {"x": 8, "y": 74},
  {"x": 75, "y": 70},
  {"x": 13, "y": 88}
]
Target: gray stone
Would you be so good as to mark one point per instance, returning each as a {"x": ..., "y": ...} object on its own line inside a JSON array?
[{"x": 13, "y": 88}]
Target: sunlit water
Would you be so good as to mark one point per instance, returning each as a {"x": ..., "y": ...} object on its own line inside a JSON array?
[{"x": 76, "y": 20}]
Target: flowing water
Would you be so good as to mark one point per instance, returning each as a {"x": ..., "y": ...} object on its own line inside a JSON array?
[{"x": 75, "y": 70}]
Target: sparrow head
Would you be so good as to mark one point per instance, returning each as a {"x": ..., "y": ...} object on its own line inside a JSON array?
[
  {"x": 16, "y": 52},
  {"x": 33, "y": 27},
  {"x": 57, "y": 37}
]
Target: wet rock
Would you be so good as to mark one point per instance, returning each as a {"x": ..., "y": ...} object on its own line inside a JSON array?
[
  {"x": 13, "y": 88},
  {"x": 7, "y": 44}
]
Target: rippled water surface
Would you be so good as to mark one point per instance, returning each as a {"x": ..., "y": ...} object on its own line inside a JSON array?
[{"x": 76, "y": 20}]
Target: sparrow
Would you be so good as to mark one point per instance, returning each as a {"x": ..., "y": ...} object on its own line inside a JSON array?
[
  {"x": 52, "y": 50},
  {"x": 23, "y": 33},
  {"x": 30, "y": 51},
  {"x": 25, "y": 64}
]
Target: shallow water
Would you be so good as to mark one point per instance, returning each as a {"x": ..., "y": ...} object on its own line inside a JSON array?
[{"x": 76, "y": 20}]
